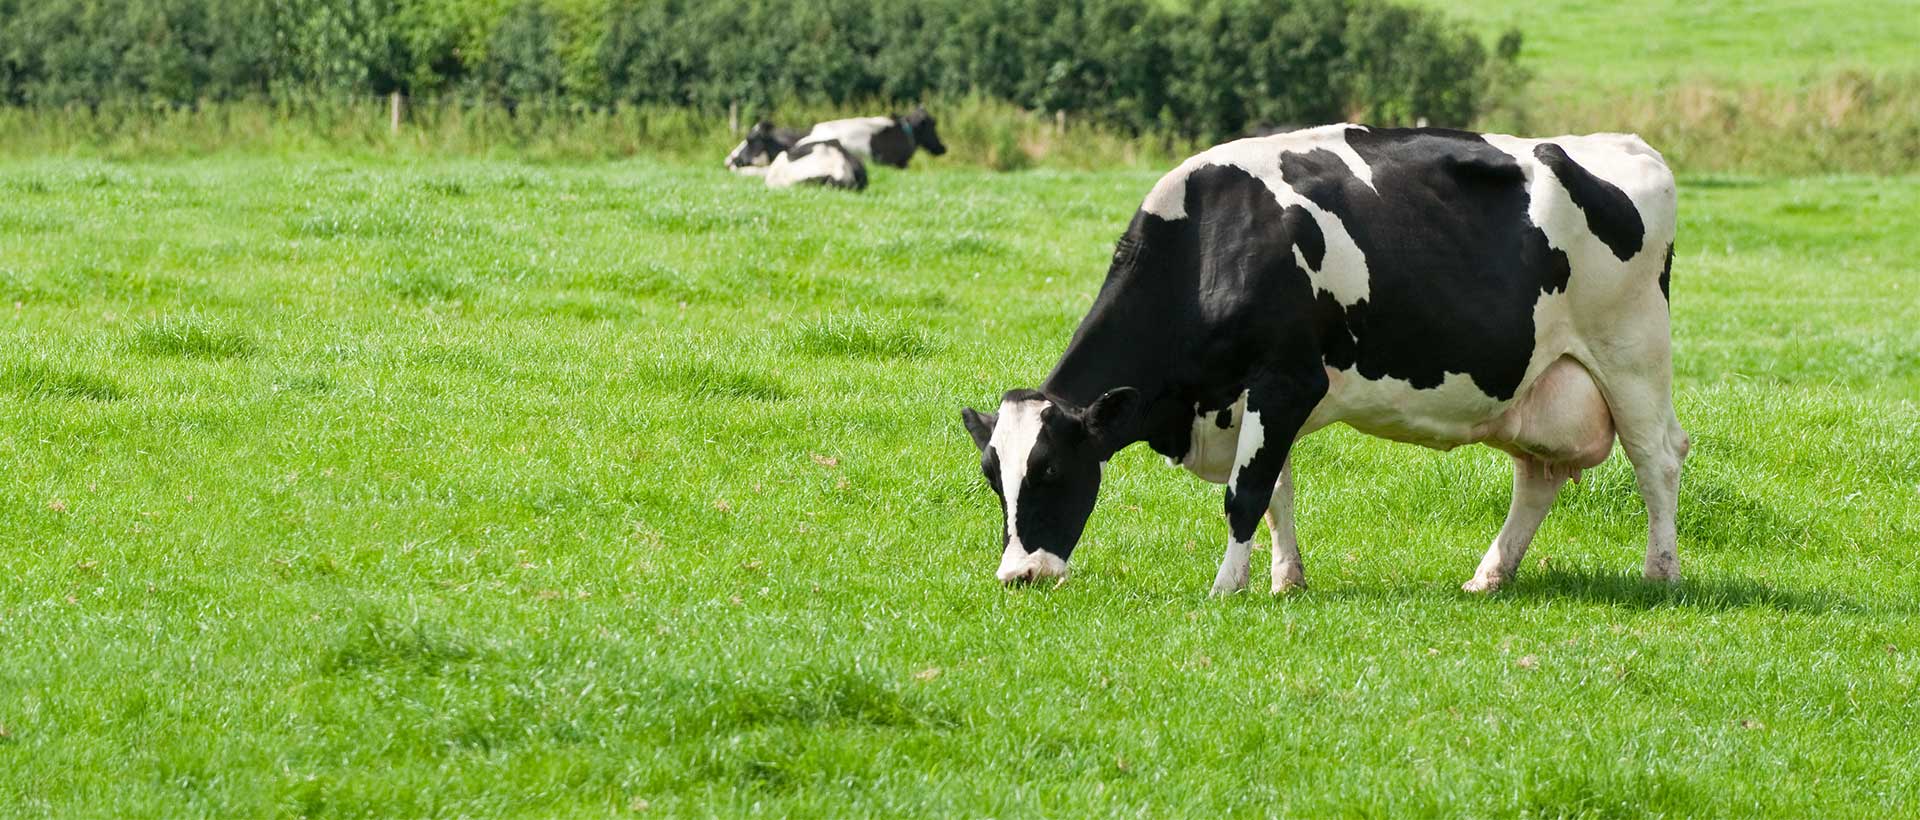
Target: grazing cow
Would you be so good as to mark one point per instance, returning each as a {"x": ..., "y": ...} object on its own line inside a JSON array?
[
  {"x": 764, "y": 142},
  {"x": 886, "y": 140},
  {"x": 1423, "y": 285}
]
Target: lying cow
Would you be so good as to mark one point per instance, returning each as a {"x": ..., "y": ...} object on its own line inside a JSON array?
[
  {"x": 774, "y": 155},
  {"x": 764, "y": 142},
  {"x": 886, "y": 140},
  {"x": 817, "y": 163},
  {"x": 1428, "y": 286}
]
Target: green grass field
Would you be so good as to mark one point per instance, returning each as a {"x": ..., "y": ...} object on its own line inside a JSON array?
[
  {"x": 476, "y": 488},
  {"x": 1604, "y": 47}
]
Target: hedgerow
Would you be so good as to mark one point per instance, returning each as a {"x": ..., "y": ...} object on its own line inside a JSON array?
[{"x": 1210, "y": 68}]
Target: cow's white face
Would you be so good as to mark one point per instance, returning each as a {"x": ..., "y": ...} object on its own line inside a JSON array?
[{"x": 1044, "y": 460}]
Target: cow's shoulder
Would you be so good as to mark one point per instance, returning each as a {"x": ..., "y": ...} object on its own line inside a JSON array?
[{"x": 1257, "y": 157}]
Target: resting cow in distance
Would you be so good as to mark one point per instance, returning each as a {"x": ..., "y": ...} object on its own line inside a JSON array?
[
  {"x": 775, "y": 155},
  {"x": 1422, "y": 285},
  {"x": 885, "y": 140},
  {"x": 817, "y": 163}
]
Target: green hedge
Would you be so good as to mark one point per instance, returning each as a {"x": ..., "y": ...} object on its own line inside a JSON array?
[{"x": 1211, "y": 68}]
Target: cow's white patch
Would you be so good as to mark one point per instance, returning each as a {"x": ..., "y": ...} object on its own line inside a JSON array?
[
  {"x": 1443, "y": 417},
  {"x": 1016, "y": 564},
  {"x": 821, "y": 164},
  {"x": 1012, "y": 442},
  {"x": 1168, "y": 199},
  {"x": 855, "y": 133},
  {"x": 1235, "y": 567},
  {"x": 1253, "y": 437},
  {"x": 1343, "y": 271},
  {"x": 1210, "y": 449}
]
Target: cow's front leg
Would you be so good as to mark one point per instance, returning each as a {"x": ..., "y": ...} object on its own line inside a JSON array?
[{"x": 1275, "y": 411}]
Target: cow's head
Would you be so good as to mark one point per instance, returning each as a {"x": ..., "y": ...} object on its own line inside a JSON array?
[
  {"x": 1043, "y": 458},
  {"x": 924, "y": 133},
  {"x": 758, "y": 149}
]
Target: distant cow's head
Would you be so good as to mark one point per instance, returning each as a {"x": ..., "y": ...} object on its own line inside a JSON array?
[
  {"x": 762, "y": 144},
  {"x": 1043, "y": 458},
  {"x": 924, "y": 133}
]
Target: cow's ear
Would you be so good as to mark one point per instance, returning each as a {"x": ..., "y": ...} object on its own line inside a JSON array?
[
  {"x": 1110, "y": 418},
  {"x": 979, "y": 425}
]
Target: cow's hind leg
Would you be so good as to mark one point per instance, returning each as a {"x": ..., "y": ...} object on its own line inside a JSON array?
[
  {"x": 1288, "y": 572},
  {"x": 1535, "y": 486},
  {"x": 1276, "y": 409},
  {"x": 1643, "y": 411},
  {"x": 1636, "y": 376}
]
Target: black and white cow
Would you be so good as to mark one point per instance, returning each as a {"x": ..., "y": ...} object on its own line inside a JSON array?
[
  {"x": 1428, "y": 286},
  {"x": 886, "y": 140},
  {"x": 817, "y": 163},
  {"x": 764, "y": 142},
  {"x": 778, "y": 157}
]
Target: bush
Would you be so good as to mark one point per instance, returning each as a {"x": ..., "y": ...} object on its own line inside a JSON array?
[{"x": 1209, "y": 70}]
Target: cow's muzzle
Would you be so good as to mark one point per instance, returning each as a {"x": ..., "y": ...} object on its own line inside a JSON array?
[{"x": 1018, "y": 566}]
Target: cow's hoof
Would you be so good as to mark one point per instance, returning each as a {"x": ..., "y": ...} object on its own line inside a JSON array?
[
  {"x": 1290, "y": 581},
  {"x": 1229, "y": 582},
  {"x": 1482, "y": 585},
  {"x": 1663, "y": 570}
]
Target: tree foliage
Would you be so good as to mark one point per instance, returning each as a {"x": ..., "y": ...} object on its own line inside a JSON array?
[{"x": 1212, "y": 68}]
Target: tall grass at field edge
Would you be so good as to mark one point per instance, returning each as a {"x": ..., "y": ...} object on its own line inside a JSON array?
[
  {"x": 1846, "y": 122},
  {"x": 979, "y": 132}
]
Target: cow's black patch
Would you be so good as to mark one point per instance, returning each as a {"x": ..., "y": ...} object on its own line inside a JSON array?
[
  {"x": 1611, "y": 214},
  {"x": 1454, "y": 264},
  {"x": 1061, "y": 482},
  {"x": 1559, "y": 271},
  {"x": 1666, "y": 273},
  {"x": 891, "y": 146},
  {"x": 894, "y": 145},
  {"x": 1223, "y": 419},
  {"x": 1306, "y": 235}
]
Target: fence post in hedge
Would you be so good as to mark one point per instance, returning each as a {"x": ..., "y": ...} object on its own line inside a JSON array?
[
  {"x": 733, "y": 118},
  {"x": 1060, "y": 122},
  {"x": 393, "y": 113}
]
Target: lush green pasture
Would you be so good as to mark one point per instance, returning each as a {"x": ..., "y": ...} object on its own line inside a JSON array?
[
  {"x": 480, "y": 488},
  {"x": 1653, "y": 43}
]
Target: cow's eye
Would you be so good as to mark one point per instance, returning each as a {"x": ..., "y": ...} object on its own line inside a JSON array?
[{"x": 1051, "y": 473}]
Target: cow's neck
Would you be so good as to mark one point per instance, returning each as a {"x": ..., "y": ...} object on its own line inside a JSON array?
[{"x": 1128, "y": 339}]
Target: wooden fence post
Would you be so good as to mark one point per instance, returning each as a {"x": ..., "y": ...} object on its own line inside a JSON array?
[
  {"x": 733, "y": 118},
  {"x": 393, "y": 114}
]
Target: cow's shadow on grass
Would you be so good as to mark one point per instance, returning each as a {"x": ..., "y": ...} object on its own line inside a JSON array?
[{"x": 1630, "y": 589}]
